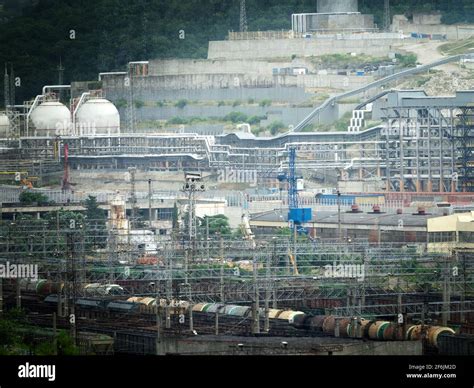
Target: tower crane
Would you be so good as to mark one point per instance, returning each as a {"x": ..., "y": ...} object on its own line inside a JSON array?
[{"x": 296, "y": 215}]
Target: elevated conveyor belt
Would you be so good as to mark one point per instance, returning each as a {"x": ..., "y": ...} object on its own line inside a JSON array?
[{"x": 381, "y": 82}]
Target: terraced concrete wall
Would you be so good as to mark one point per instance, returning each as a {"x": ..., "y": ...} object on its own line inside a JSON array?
[
  {"x": 285, "y": 48},
  {"x": 204, "y": 66},
  {"x": 229, "y": 87},
  {"x": 287, "y": 114}
]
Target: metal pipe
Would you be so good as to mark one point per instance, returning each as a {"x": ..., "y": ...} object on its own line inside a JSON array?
[
  {"x": 74, "y": 113},
  {"x": 47, "y": 87}
]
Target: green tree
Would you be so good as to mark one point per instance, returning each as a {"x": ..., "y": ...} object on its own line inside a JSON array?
[
  {"x": 121, "y": 103},
  {"x": 95, "y": 222},
  {"x": 139, "y": 104},
  {"x": 276, "y": 127},
  {"x": 181, "y": 103},
  {"x": 34, "y": 34},
  {"x": 218, "y": 225},
  {"x": 236, "y": 117},
  {"x": 175, "y": 218},
  {"x": 284, "y": 232},
  {"x": 32, "y": 197}
]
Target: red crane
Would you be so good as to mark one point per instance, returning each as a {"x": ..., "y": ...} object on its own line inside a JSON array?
[{"x": 66, "y": 185}]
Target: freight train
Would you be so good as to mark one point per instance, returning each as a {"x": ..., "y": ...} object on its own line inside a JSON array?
[
  {"x": 330, "y": 325},
  {"x": 46, "y": 287}
]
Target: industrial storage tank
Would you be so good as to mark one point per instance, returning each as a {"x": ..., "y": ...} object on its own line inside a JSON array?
[
  {"x": 316, "y": 323},
  {"x": 274, "y": 313},
  {"x": 199, "y": 307},
  {"x": 239, "y": 311},
  {"x": 335, "y": 6},
  {"x": 215, "y": 308},
  {"x": 289, "y": 315},
  {"x": 344, "y": 325},
  {"x": 377, "y": 328},
  {"x": 393, "y": 332},
  {"x": 51, "y": 116},
  {"x": 97, "y": 116},
  {"x": 4, "y": 125},
  {"x": 435, "y": 331}
]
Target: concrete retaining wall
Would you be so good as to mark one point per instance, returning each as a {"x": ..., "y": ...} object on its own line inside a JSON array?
[
  {"x": 204, "y": 66},
  {"x": 452, "y": 32},
  {"x": 333, "y": 81},
  {"x": 222, "y": 87},
  {"x": 340, "y": 21},
  {"x": 285, "y": 48},
  {"x": 288, "y": 115},
  {"x": 155, "y": 89},
  {"x": 228, "y": 346}
]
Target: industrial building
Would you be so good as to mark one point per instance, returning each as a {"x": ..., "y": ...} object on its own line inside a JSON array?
[
  {"x": 423, "y": 145},
  {"x": 304, "y": 242},
  {"x": 453, "y": 233},
  {"x": 332, "y": 17},
  {"x": 352, "y": 225}
]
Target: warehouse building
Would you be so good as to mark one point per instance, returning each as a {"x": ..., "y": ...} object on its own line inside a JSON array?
[{"x": 354, "y": 225}]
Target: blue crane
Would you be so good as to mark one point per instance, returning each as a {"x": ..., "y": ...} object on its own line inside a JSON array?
[{"x": 295, "y": 213}]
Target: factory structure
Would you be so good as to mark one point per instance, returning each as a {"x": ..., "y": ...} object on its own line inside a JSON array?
[
  {"x": 333, "y": 16},
  {"x": 213, "y": 240}
]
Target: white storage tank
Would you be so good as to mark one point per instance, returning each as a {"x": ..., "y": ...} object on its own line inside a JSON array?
[
  {"x": 97, "y": 116},
  {"x": 4, "y": 125},
  {"x": 52, "y": 117}
]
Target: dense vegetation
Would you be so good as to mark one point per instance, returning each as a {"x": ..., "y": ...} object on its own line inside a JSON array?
[
  {"x": 35, "y": 34},
  {"x": 18, "y": 338}
]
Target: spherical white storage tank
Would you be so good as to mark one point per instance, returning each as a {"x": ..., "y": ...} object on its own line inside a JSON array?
[
  {"x": 52, "y": 117},
  {"x": 97, "y": 115},
  {"x": 4, "y": 125}
]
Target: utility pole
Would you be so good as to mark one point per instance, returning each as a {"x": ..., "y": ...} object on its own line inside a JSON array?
[
  {"x": 6, "y": 87},
  {"x": 275, "y": 266},
  {"x": 60, "y": 77},
  {"x": 112, "y": 251},
  {"x": 188, "y": 289},
  {"x": 243, "y": 16},
  {"x": 256, "y": 303},
  {"x": 150, "y": 217},
  {"x": 386, "y": 16},
  {"x": 339, "y": 230},
  {"x": 61, "y": 290},
  {"x": 207, "y": 239},
  {"x": 12, "y": 85},
  {"x": 55, "y": 336},
  {"x": 295, "y": 242},
  {"x": 446, "y": 293},
  {"x": 158, "y": 319},
  {"x": 267, "y": 293},
  {"x": 169, "y": 285},
  {"x": 133, "y": 195},
  {"x": 193, "y": 184},
  {"x": 71, "y": 284},
  {"x": 18, "y": 294},
  {"x": 221, "y": 257},
  {"x": 1, "y": 296},
  {"x": 191, "y": 222},
  {"x": 131, "y": 102}
]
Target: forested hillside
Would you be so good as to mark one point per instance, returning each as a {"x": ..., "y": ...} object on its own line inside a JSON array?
[{"x": 102, "y": 35}]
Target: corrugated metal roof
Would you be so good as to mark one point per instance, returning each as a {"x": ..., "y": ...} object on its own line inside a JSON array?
[{"x": 331, "y": 217}]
